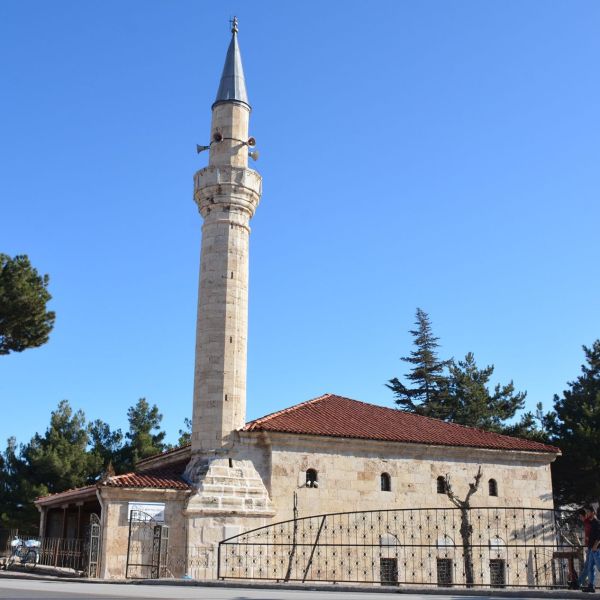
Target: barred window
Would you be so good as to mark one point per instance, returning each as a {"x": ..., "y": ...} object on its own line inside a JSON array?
[
  {"x": 386, "y": 482},
  {"x": 444, "y": 572},
  {"x": 388, "y": 570},
  {"x": 497, "y": 572}
]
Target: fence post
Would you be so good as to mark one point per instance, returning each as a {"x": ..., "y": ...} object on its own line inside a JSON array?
[{"x": 312, "y": 552}]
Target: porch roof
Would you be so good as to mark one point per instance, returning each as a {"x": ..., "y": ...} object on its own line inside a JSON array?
[{"x": 169, "y": 477}]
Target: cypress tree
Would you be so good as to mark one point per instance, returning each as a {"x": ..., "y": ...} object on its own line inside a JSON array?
[{"x": 428, "y": 394}]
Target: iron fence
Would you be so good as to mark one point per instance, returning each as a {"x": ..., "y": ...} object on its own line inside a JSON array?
[
  {"x": 496, "y": 548},
  {"x": 78, "y": 554}
]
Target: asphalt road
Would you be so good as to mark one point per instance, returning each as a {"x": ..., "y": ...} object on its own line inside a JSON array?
[{"x": 21, "y": 589}]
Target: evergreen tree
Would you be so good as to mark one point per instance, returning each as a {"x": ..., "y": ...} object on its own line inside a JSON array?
[
  {"x": 106, "y": 447},
  {"x": 144, "y": 437},
  {"x": 5, "y": 489},
  {"x": 49, "y": 463},
  {"x": 429, "y": 394},
  {"x": 59, "y": 460},
  {"x": 574, "y": 426},
  {"x": 532, "y": 425},
  {"x": 185, "y": 434},
  {"x": 24, "y": 320},
  {"x": 470, "y": 401}
]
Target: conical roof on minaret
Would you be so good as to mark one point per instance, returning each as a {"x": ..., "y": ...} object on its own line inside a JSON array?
[{"x": 233, "y": 85}]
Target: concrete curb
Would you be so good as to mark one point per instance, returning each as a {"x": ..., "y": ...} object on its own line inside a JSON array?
[
  {"x": 42, "y": 571},
  {"x": 514, "y": 593}
]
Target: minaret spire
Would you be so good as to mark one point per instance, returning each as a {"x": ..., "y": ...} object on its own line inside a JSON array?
[{"x": 233, "y": 84}]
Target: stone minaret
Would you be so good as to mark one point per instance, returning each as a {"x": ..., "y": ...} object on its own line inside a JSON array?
[
  {"x": 227, "y": 193},
  {"x": 229, "y": 492}
]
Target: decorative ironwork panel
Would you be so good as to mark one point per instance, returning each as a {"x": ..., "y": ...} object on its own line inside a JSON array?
[{"x": 512, "y": 547}]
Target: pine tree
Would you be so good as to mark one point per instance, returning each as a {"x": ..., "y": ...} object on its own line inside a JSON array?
[
  {"x": 145, "y": 437},
  {"x": 430, "y": 392},
  {"x": 470, "y": 401},
  {"x": 106, "y": 447},
  {"x": 49, "y": 463},
  {"x": 59, "y": 460},
  {"x": 24, "y": 320},
  {"x": 574, "y": 426},
  {"x": 185, "y": 434}
]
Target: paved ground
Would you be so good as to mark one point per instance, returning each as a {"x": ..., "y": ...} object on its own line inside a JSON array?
[{"x": 32, "y": 589}]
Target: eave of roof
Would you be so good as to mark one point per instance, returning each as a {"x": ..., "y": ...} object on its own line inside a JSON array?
[{"x": 87, "y": 491}]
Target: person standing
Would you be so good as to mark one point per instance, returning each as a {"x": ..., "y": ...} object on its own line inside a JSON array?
[
  {"x": 593, "y": 552},
  {"x": 586, "y": 514}
]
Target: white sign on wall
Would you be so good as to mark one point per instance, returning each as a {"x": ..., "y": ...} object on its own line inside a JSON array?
[{"x": 148, "y": 510}]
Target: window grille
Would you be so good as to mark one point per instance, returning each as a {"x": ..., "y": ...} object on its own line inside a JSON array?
[
  {"x": 388, "y": 569},
  {"x": 444, "y": 572},
  {"x": 497, "y": 573}
]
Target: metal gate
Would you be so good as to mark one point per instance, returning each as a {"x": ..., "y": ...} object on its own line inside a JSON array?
[
  {"x": 499, "y": 547},
  {"x": 147, "y": 548},
  {"x": 93, "y": 554}
]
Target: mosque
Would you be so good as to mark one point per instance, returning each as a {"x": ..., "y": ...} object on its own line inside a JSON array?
[{"x": 330, "y": 454}]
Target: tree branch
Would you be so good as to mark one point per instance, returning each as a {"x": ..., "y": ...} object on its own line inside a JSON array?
[{"x": 473, "y": 487}]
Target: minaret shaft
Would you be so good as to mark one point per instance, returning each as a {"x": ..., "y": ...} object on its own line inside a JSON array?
[{"x": 227, "y": 194}]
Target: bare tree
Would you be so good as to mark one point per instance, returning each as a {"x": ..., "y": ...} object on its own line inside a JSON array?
[{"x": 466, "y": 529}]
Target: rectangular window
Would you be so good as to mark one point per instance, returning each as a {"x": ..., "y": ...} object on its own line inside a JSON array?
[
  {"x": 444, "y": 572},
  {"x": 497, "y": 573},
  {"x": 388, "y": 569}
]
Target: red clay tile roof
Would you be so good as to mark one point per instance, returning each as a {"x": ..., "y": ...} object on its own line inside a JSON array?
[
  {"x": 70, "y": 494},
  {"x": 335, "y": 416},
  {"x": 164, "y": 478},
  {"x": 168, "y": 477}
]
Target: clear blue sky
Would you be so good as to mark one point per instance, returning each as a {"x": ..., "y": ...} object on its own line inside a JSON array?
[{"x": 436, "y": 154}]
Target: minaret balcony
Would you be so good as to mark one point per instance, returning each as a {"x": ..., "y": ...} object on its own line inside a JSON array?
[{"x": 234, "y": 186}]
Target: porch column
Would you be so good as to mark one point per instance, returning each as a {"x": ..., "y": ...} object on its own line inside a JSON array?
[
  {"x": 43, "y": 518},
  {"x": 63, "y": 535},
  {"x": 79, "y": 515}
]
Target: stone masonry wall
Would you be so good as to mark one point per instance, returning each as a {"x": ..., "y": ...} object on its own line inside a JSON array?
[
  {"x": 115, "y": 528},
  {"x": 349, "y": 474}
]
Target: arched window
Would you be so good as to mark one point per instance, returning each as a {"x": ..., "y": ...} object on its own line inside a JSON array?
[
  {"x": 493, "y": 487},
  {"x": 386, "y": 482},
  {"x": 441, "y": 485},
  {"x": 311, "y": 478}
]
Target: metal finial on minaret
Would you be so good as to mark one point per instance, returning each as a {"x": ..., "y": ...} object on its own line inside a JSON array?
[{"x": 233, "y": 84}]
